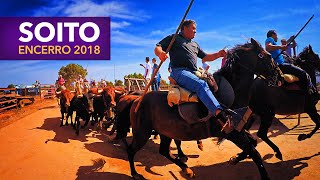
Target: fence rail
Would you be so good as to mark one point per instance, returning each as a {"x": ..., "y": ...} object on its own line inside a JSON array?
[
  {"x": 47, "y": 91},
  {"x": 7, "y": 98},
  {"x": 136, "y": 84}
]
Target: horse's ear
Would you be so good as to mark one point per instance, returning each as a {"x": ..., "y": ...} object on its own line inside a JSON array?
[
  {"x": 254, "y": 42},
  {"x": 310, "y": 48}
]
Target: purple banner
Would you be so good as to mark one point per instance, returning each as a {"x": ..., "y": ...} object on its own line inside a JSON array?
[{"x": 55, "y": 38}]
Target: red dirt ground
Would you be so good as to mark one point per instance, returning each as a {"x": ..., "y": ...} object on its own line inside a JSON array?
[{"x": 33, "y": 146}]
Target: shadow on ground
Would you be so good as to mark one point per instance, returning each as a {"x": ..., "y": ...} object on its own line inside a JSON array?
[
  {"x": 284, "y": 170},
  {"x": 65, "y": 133}
]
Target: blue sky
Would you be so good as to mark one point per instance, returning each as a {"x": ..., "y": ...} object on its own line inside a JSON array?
[{"x": 137, "y": 25}]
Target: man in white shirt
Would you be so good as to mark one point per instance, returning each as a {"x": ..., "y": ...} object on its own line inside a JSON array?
[{"x": 148, "y": 71}]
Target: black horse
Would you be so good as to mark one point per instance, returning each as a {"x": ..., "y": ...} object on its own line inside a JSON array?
[
  {"x": 266, "y": 100},
  {"x": 155, "y": 113}
]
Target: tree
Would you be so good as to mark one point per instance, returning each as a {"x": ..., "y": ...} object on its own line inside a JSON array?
[
  {"x": 71, "y": 72},
  {"x": 109, "y": 83},
  {"x": 118, "y": 83},
  {"x": 11, "y": 86},
  {"x": 134, "y": 75}
]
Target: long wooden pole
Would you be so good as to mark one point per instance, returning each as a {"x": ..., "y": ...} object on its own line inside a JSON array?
[
  {"x": 296, "y": 35},
  {"x": 168, "y": 49}
]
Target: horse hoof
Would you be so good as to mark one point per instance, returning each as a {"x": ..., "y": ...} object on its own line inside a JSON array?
[
  {"x": 77, "y": 133},
  {"x": 138, "y": 177},
  {"x": 233, "y": 160},
  {"x": 200, "y": 146},
  {"x": 302, "y": 137},
  {"x": 92, "y": 123},
  {"x": 279, "y": 156},
  {"x": 183, "y": 158},
  {"x": 189, "y": 173}
]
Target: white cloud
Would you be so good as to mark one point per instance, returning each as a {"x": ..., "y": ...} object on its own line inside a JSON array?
[
  {"x": 129, "y": 39},
  {"x": 90, "y": 8},
  {"x": 118, "y": 25}
]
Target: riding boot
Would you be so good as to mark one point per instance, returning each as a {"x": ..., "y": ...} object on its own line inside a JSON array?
[{"x": 226, "y": 127}]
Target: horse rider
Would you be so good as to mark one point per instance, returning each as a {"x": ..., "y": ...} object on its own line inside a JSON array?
[
  {"x": 61, "y": 83},
  {"x": 183, "y": 62},
  {"x": 287, "y": 68}
]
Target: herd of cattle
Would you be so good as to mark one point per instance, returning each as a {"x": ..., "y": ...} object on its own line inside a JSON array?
[{"x": 111, "y": 103}]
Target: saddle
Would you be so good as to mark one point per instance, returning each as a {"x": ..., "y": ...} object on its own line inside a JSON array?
[
  {"x": 291, "y": 82},
  {"x": 190, "y": 108}
]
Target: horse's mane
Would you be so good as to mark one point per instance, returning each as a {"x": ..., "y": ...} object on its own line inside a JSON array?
[{"x": 227, "y": 68}]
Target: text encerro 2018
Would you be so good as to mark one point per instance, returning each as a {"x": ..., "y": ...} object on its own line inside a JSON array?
[{"x": 58, "y": 33}]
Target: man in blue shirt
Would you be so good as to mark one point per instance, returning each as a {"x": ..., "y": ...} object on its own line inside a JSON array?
[
  {"x": 183, "y": 62},
  {"x": 156, "y": 81},
  {"x": 275, "y": 51}
]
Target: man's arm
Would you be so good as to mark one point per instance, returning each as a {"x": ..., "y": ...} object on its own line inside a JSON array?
[
  {"x": 142, "y": 65},
  {"x": 214, "y": 56},
  {"x": 271, "y": 47},
  {"x": 158, "y": 51}
]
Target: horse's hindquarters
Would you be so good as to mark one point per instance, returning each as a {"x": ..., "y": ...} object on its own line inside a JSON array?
[
  {"x": 277, "y": 99},
  {"x": 155, "y": 113}
]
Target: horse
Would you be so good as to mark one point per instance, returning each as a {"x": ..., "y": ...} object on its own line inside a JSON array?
[
  {"x": 155, "y": 113},
  {"x": 266, "y": 101}
]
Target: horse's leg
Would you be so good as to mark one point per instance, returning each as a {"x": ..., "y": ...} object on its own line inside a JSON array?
[
  {"x": 241, "y": 140},
  {"x": 250, "y": 122},
  {"x": 266, "y": 121},
  {"x": 315, "y": 117},
  {"x": 243, "y": 155},
  {"x": 139, "y": 139},
  {"x": 165, "y": 151},
  {"x": 181, "y": 155}
]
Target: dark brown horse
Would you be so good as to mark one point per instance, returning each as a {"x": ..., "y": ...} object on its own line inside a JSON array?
[
  {"x": 155, "y": 113},
  {"x": 266, "y": 100}
]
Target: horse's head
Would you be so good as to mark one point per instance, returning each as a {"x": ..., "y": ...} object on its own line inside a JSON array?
[
  {"x": 309, "y": 58},
  {"x": 252, "y": 59}
]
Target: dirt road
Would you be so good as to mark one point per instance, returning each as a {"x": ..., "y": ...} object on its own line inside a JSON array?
[{"x": 35, "y": 147}]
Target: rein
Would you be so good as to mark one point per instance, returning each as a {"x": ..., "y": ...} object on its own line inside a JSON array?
[{"x": 270, "y": 83}]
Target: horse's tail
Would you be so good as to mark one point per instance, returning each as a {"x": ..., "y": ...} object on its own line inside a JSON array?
[{"x": 135, "y": 118}]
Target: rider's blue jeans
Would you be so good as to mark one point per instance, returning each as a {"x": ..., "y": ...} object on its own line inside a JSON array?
[{"x": 188, "y": 80}]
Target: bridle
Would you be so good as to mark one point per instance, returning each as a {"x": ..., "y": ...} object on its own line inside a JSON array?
[{"x": 271, "y": 80}]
